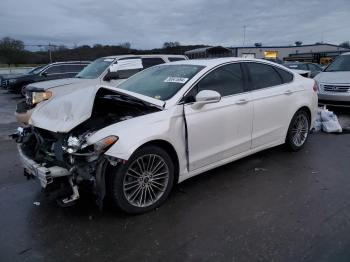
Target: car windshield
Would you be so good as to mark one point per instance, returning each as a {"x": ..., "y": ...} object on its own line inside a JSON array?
[
  {"x": 296, "y": 66},
  {"x": 35, "y": 70},
  {"x": 341, "y": 63},
  {"x": 161, "y": 82},
  {"x": 95, "y": 69}
]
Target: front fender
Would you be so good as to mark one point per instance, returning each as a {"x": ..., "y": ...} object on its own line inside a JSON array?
[{"x": 165, "y": 125}]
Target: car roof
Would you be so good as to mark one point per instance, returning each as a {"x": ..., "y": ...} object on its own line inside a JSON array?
[
  {"x": 212, "y": 62},
  {"x": 70, "y": 62},
  {"x": 146, "y": 55}
]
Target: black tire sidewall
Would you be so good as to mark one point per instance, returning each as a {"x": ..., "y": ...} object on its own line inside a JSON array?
[
  {"x": 116, "y": 186},
  {"x": 289, "y": 141}
]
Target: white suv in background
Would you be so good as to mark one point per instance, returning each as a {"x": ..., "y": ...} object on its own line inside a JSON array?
[
  {"x": 334, "y": 82},
  {"x": 106, "y": 71}
]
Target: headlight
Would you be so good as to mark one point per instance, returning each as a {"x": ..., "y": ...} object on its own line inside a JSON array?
[
  {"x": 38, "y": 97},
  {"x": 105, "y": 143},
  {"x": 12, "y": 81}
]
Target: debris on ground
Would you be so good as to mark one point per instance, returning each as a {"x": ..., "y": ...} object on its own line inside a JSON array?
[
  {"x": 260, "y": 169},
  {"x": 327, "y": 121},
  {"x": 36, "y": 203}
]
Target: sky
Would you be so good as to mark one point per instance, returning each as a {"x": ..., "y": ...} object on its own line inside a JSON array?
[{"x": 149, "y": 23}]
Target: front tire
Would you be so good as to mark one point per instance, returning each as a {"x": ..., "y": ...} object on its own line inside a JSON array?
[
  {"x": 298, "y": 131},
  {"x": 144, "y": 182},
  {"x": 23, "y": 91}
]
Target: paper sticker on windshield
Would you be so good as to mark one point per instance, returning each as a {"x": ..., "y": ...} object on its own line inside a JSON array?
[
  {"x": 172, "y": 79},
  {"x": 108, "y": 60}
]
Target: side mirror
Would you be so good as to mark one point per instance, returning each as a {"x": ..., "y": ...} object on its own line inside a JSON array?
[
  {"x": 44, "y": 73},
  {"x": 206, "y": 97}
]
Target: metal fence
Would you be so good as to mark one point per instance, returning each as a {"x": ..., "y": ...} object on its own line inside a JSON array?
[{"x": 14, "y": 70}]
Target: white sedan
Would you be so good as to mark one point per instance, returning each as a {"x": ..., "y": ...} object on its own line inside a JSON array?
[{"x": 164, "y": 125}]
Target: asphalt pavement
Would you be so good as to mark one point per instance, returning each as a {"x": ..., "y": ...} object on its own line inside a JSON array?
[{"x": 272, "y": 206}]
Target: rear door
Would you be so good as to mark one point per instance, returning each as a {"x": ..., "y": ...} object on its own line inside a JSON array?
[
  {"x": 220, "y": 130},
  {"x": 272, "y": 93}
]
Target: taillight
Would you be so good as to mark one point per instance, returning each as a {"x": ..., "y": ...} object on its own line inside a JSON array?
[{"x": 315, "y": 87}]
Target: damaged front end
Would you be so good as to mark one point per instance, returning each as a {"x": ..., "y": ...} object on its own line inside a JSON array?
[{"x": 64, "y": 163}]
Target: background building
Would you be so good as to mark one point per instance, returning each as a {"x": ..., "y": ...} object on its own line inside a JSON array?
[
  {"x": 311, "y": 53},
  {"x": 209, "y": 52}
]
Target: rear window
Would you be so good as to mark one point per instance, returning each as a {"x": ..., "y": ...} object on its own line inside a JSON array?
[
  {"x": 173, "y": 59},
  {"x": 148, "y": 62},
  {"x": 286, "y": 76},
  {"x": 263, "y": 75}
]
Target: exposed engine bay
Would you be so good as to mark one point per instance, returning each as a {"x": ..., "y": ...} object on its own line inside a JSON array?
[{"x": 63, "y": 162}]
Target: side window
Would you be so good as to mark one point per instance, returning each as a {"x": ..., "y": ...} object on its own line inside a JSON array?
[
  {"x": 123, "y": 74},
  {"x": 173, "y": 59},
  {"x": 227, "y": 80},
  {"x": 286, "y": 76},
  {"x": 77, "y": 68},
  {"x": 55, "y": 70},
  {"x": 148, "y": 62},
  {"x": 263, "y": 75},
  {"x": 73, "y": 68}
]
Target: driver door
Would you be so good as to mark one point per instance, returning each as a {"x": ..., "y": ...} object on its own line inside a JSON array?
[{"x": 219, "y": 130}]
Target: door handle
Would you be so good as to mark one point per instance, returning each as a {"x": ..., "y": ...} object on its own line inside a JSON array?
[
  {"x": 288, "y": 92},
  {"x": 241, "y": 102}
]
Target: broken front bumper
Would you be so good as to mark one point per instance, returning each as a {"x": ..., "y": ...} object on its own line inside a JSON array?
[
  {"x": 23, "y": 112},
  {"x": 44, "y": 174}
]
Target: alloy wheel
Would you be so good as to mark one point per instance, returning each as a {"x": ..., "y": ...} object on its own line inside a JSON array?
[
  {"x": 146, "y": 180},
  {"x": 300, "y": 130}
]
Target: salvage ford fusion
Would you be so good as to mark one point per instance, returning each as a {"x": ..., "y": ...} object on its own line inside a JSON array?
[{"x": 162, "y": 126}]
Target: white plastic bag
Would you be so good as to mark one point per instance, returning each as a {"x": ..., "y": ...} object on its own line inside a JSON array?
[
  {"x": 326, "y": 115},
  {"x": 327, "y": 121},
  {"x": 317, "y": 125},
  {"x": 332, "y": 125}
]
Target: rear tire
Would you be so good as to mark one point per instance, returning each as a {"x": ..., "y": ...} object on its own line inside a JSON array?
[
  {"x": 298, "y": 131},
  {"x": 144, "y": 182}
]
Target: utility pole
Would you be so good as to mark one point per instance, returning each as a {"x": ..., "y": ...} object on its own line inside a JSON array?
[
  {"x": 244, "y": 28},
  {"x": 50, "y": 53}
]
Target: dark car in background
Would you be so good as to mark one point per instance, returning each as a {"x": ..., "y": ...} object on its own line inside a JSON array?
[
  {"x": 52, "y": 71},
  {"x": 312, "y": 67}
]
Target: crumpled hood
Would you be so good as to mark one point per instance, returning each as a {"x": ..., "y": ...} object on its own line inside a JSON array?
[
  {"x": 56, "y": 83},
  {"x": 64, "y": 112},
  {"x": 341, "y": 77}
]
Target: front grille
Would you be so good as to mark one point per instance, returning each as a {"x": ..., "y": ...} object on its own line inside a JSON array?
[
  {"x": 4, "y": 83},
  {"x": 336, "y": 88}
]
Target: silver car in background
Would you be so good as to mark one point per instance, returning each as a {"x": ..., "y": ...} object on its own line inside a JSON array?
[{"x": 334, "y": 82}]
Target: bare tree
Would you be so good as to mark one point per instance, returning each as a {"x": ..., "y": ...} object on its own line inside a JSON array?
[
  {"x": 11, "y": 50},
  {"x": 345, "y": 44}
]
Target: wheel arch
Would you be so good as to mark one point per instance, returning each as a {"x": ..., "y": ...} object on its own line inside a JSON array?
[
  {"x": 307, "y": 110},
  {"x": 169, "y": 148},
  {"x": 301, "y": 108}
]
